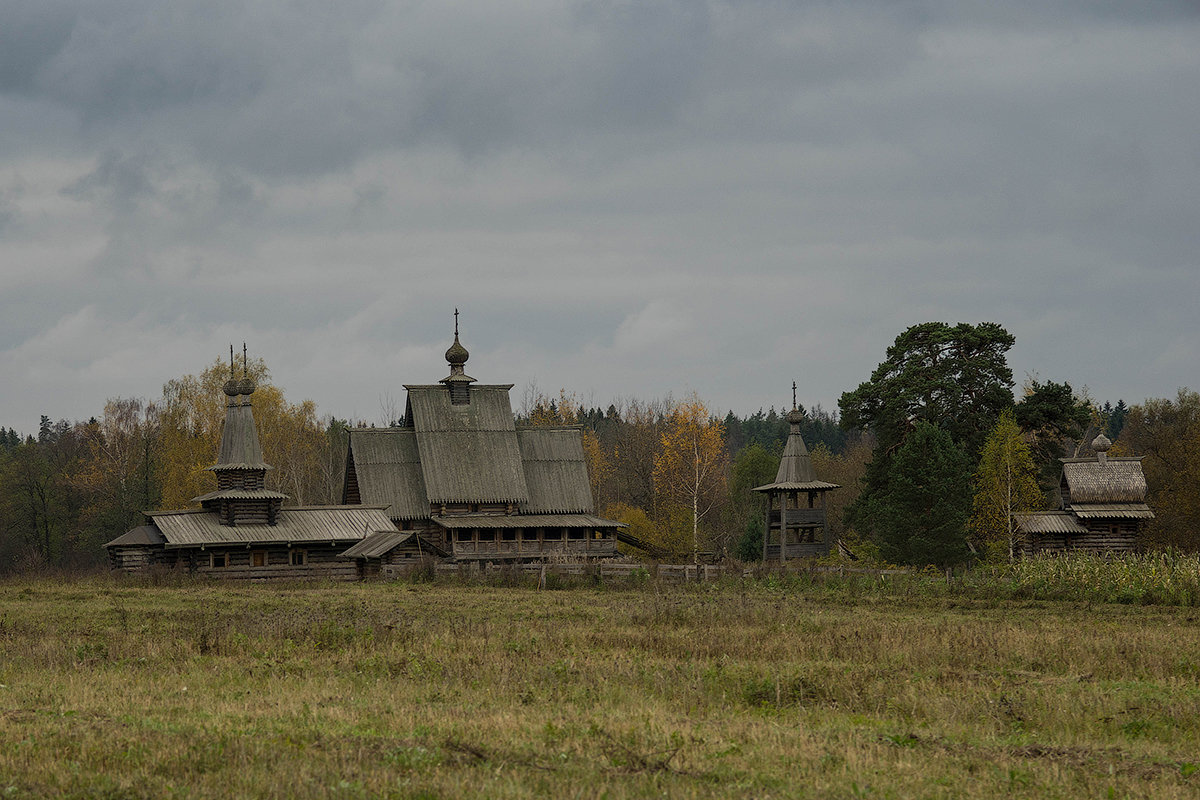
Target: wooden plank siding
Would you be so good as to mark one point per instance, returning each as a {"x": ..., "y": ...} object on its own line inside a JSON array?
[{"x": 320, "y": 562}]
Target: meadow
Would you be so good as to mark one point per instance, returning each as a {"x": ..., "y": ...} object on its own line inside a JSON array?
[{"x": 782, "y": 686}]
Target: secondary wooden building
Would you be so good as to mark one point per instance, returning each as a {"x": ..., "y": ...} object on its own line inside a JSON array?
[
  {"x": 797, "y": 525},
  {"x": 1102, "y": 507},
  {"x": 242, "y": 529},
  {"x": 463, "y": 476}
]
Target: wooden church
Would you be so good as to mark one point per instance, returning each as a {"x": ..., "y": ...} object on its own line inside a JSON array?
[
  {"x": 458, "y": 480},
  {"x": 1101, "y": 507},
  {"x": 242, "y": 529},
  {"x": 463, "y": 476}
]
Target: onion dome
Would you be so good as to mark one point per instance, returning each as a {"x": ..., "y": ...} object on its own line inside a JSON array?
[
  {"x": 457, "y": 355},
  {"x": 1101, "y": 444},
  {"x": 247, "y": 385},
  {"x": 232, "y": 388},
  {"x": 795, "y": 416}
]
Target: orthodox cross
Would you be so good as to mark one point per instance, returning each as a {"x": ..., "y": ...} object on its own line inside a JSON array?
[
  {"x": 793, "y": 394},
  {"x": 456, "y": 322}
]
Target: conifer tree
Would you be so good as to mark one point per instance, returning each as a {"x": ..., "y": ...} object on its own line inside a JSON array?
[{"x": 921, "y": 518}]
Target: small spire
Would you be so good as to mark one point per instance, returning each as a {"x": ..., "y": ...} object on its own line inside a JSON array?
[
  {"x": 457, "y": 355},
  {"x": 246, "y": 386},
  {"x": 232, "y": 389},
  {"x": 795, "y": 416}
]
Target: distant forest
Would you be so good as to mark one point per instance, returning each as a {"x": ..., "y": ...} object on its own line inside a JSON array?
[{"x": 670, "y": 469}]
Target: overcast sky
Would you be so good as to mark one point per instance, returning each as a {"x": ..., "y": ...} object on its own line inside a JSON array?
[{"x": 625, "y": 199}]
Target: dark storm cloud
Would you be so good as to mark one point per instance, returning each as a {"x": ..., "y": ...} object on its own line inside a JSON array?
[{"x": 624, "y": 198}]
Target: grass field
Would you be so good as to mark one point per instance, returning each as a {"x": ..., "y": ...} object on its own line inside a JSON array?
[{"x": 768, "y": 688}]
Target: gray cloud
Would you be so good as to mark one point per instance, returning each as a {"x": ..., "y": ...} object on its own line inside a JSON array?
[{"x": 624, "y": 199}]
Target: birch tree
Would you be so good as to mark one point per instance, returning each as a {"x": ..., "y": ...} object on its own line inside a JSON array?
[
  {"x": 1005, "y": 484},
  {"x": 691, "y": 466}
]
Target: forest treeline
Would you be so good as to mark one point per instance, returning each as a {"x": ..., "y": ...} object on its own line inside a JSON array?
[{"x": 932, "y": 451}]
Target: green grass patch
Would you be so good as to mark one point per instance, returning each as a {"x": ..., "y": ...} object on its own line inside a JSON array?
[{"x": 797, "y": 686}]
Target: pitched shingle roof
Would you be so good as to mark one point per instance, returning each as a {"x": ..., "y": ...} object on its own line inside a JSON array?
[
  {"x": 388, "y": 469},
  {"x": 1048, "y": 522},
  {"x": 469, "y": 453},
  {"x": 555, "y": 471},
  {"x": 141, "y": 535},
  {"x": 316, "y": 524},
  {"x": 383, "y": 542},
  {"x": 1116, "y": 480}
]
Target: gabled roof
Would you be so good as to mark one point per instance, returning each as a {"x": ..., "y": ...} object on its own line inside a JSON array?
[
  {"x": 198, "y": 527},
  {"x": 468, "y": 452},
  {"x": 241, "y": 494},
  {"x": 140, "y": 536},
  {"x": 1114, "y": 480},
  {"x": 383, "y": 542},
  {"x": 555, "y": 471},
  {"x": 1048, "y": 522},
  {"x": 388, "y": 469},
  {"x": 1112, "y": 511},
  {"x": 526, "y": 521}
]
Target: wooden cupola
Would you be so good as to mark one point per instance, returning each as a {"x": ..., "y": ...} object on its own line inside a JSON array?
[
  {"x": 241, "y": 497},
  {"x": 458, "y": 382}
]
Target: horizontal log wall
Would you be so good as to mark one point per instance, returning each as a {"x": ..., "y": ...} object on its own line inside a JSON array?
[{"x": 321, "y": 562}]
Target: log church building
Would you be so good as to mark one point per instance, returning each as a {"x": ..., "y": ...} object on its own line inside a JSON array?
[{"x": 457, "y": 480}]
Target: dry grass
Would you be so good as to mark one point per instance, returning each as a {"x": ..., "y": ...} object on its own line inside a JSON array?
[{"x": 115, "y": 689}]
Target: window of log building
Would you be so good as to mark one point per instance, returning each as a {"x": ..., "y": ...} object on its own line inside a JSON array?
[
  {"x": 219, "y": 560},
  {"x": 298, "y": 558},
  {"x": 463, "y": 536},
  {"x": 258, "y": 558},
  {"x": 553, "y": 534},
  {"x": 529, "y": 534},
  {"x": 575, "y": 533},
  {"x": 509, "y": 535},
  {"x": 487, "y": 536}
]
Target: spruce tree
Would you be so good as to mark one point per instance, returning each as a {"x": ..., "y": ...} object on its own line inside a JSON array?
[{"x": 921, "y": 517}]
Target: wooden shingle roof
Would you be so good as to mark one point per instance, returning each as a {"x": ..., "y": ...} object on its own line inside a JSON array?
[
  {"x": 469, "y": 453},
  {"x": 141, "y": 535},
  {"x": 383, "y": 542},
  {"x": 388, "y": 469},
  {"x": 193, "y": 528},
  {"x": 1113, "y": 480},
  {"x": 469, "y": 521},
  {"x": 1048, "y": 522},
  {"x": 795, "y": 468},
  {"x": 555, "y": 471},
  {"x": 239, "y": 440}
]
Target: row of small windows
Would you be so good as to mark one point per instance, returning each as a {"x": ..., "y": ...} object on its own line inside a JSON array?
[
  {"x": 258, "y": 558},
  {"x": 525, "y": 535}
]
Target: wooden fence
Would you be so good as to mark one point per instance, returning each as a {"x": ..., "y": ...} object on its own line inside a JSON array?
[{"x": 670, "y": 572}]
